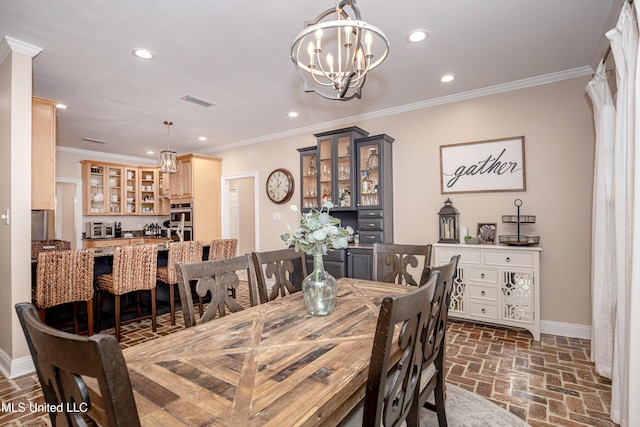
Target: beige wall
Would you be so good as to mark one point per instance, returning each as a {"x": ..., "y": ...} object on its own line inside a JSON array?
[{"x": 556, "y": 120}]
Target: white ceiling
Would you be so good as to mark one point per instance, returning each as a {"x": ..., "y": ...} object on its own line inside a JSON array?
[{"x": 236, "y": 54}]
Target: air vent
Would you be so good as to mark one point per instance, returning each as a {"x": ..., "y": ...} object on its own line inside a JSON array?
[
  {"x": 199, "y": 101},
  {"x": 97, "y": 141}
]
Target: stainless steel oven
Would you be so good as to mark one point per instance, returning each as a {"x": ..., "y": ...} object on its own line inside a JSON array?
[{"x": 177, "y": 210}]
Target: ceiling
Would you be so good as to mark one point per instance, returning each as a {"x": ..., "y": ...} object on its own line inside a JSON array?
[{"x": 236, "y": 54}]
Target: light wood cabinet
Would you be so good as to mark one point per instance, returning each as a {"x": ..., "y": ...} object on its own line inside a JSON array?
[
  {"x": 495, "y": 284},
  {"x": 108, "y": 243},
  {"x": 114, "y": 189},
  {"x": 43, "y": 154},
  {"x": 198, "y": 182}
]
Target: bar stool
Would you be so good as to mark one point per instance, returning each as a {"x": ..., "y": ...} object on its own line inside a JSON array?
[
  {"x": 184, "y": 252},
  {"x": 223, "y": 248},
  {"x": 63, "y": 277},
  {"x": 134, "y": 270}
]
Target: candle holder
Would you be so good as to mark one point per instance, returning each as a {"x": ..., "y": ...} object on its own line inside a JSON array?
[{"x": 448, "y": 223}]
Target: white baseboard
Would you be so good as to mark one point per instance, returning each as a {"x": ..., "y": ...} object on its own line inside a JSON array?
[
  {"x": 12, "y": 368},
  {"x": 571, "y": 330}
]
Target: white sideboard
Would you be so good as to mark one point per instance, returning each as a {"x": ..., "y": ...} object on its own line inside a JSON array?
[{"x": 495, "y": 284}]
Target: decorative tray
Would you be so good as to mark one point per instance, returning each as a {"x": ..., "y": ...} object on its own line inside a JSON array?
[
  {"x": 523, "y": 219},
  {"x": 519, "y": 240}
]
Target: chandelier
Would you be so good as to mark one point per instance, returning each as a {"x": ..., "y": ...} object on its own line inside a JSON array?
[
  {"x": 168, "y": 158},
  {"x": 353, "y": 49}
]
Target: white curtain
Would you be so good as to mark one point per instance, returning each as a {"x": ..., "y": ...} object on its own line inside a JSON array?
[
  {"x": 616, "y": 226},
  {"x": 602, "y": 312}
]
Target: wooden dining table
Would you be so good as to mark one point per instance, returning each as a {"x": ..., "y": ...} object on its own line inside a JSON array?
[{"x": 270, "y": 365}]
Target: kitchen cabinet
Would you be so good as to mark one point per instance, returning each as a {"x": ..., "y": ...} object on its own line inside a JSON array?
[
  {"x": 335, "y": 164},
  {"x": 374, "y": 196},
  {"x": 164, "y": 193},
  {"x": 198, "y": 181},
  {"x": 335, "y": 263},
  {"x": 43, "y": 154},
  {"x": 495, "y": 284},
  {"x": 115, "y": 189}
]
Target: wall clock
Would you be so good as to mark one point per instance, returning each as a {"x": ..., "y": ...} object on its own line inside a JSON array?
[{"x": 280, "y": 186}]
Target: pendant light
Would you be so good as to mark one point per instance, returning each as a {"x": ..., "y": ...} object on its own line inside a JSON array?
[{"x": 168, "y": 158}]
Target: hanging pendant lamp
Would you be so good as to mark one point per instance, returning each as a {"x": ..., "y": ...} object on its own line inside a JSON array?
[{"x": 168, "y": 158}]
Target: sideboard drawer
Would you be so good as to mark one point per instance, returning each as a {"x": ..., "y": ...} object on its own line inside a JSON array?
[
  {"x": 486, "y": 310},
  {"x": 509, "y": 259},
  {"x": 370, "y": 224},
  {"x": 467, "y": 255},
  {"x": 488, "y": 275},
  {"x": 489, "y": 293}
]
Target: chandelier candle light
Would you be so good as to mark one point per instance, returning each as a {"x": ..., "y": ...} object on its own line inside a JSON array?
[
  {"x": 351, "y": 52},
  {"x": 168, "y": 158}
]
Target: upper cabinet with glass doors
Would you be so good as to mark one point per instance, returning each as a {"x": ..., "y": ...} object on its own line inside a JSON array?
[
  {"x": 308, "y": 177},
  {"x": 335, "y": 166}
]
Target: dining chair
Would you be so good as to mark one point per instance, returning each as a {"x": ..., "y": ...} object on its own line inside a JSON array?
[
  {"x": 134, "y": 270},
  {"x": 394, "y": 367},
  {"x": 400, "y": 263},
  {"x": 215, "y": 277},
  {"x": 433, "y": 351},
  {"x": 63, "y": 361},
  {"x": 65, "y": 276},
  {"x": 184, "y": 252},
  {"x": 286, "y": 268}
]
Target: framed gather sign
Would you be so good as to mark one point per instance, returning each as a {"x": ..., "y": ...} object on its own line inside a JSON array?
[{"x": 494, "y": 165}]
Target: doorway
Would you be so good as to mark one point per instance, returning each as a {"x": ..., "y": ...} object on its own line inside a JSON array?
[
  {"x": 240, "y": 210},
  {"x": 68, "y": 213}
]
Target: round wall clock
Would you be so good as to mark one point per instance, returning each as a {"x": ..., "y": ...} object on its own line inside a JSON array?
[{"x": 280, "y": 186}]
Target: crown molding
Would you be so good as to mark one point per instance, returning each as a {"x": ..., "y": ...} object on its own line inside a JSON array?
[
  {"x": 9, "y": 44},
  {"x": 449, "y": 99}
]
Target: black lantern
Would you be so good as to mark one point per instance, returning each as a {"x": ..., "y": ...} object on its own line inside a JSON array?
[{"x": 448, "y": 221}]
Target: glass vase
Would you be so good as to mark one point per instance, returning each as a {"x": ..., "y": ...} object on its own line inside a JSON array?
[{"x": 319, "y": 289}]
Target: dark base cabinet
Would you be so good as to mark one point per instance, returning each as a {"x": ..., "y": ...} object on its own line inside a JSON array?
[
  {"x": 360, "y": 263},
  {"x": 356, "y": 263}
]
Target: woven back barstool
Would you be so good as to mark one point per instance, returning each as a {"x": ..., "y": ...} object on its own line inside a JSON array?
[
  {"x": 134, "y": 270},
  {"x": 184, "y": 252},
  {"x": 63, "y": 277}
]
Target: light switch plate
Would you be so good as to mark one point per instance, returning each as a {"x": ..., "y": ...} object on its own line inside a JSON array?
[{"x": 277, "y": 216}]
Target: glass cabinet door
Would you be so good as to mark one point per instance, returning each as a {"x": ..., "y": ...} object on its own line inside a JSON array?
[
  {"x": 96, "y": 192},
  {"x": 114, "y": 201},
  {"x": 131, "y": 189},
  {"x": 343, "y": 197},
  {"x": 147, "y": 190},
  {"x": 369, "y": 174},
  {"x": 309, "y": 173},
  {"x": 325, "y": 151}
]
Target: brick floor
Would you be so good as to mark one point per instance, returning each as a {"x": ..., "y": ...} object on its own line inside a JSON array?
[{"x": 547, "y": 383}]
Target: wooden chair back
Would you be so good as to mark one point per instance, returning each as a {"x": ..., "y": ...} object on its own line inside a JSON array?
[
  {"x": 286, "y": 267},
  {"x": 400, "y": 263},
  {"x": 392, "y": 387},
  {"x": 62, "y": 359},
  {"x": 219, "y": 278},
  {"x": 223, "y": 248},
  {"x": 433, "y": 352}
]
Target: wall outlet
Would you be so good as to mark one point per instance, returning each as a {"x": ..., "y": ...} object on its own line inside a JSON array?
[{"x": 139, "y": 226}]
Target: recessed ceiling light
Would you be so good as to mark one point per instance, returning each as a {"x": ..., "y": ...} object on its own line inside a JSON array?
[
  {"x": 143, "y": 53},
  {"x": 447, "y": 78},
  {"x": 293, "y": 114},
  {"x": 149, "y": 152},
  {"x": 61, "y": 106},
  {"x": 202, "y": 138},
  {"x": 416, "y": 36}
]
